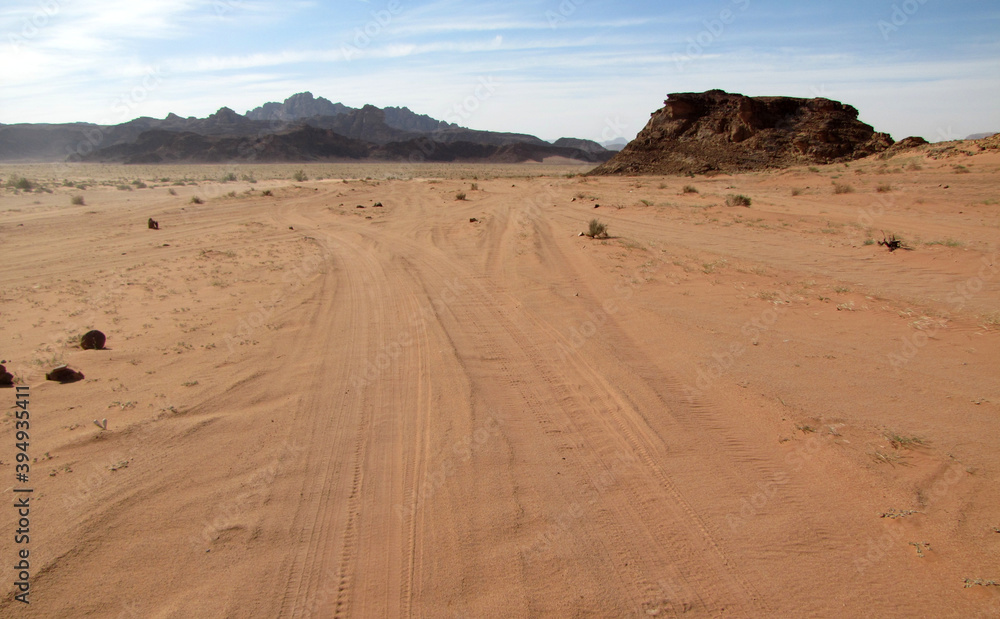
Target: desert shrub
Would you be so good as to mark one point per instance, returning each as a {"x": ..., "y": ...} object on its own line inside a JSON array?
[
  {"x": 884, "y": 188},
  {"x": 796, "y": 191},
  {"x": 124, "y": 187},
  {"x": 460, "y": 195},
  {"x": 474, "y": 187},
  {"x": 196, "y": 200},
  {"x": 249, "y": 178},
  {"x": 840, "y": 188},
  {"x": 229, "y": 176},
  {"x": 20, "y": 182},
  {"x": 647, "y": 202},
  {"x": 77, "y": 200},
  {"x": 300, "y": 176},
  {"x": 266, "y": 192},
  {"x": 961, "y": 169},
  {"x": 737, "y": 200},
  {"x": 172, "y": 191},
  {"x": 231, "y": 194},
  {"x": 690, "y": 189},
  {"x": 597, "y": 230},
  {"x": 813, "y": 169},
  {"x": 139, "y": 184}
]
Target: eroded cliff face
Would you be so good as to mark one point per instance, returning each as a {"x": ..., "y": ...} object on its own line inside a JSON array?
[{"x": 716, "y": 130}]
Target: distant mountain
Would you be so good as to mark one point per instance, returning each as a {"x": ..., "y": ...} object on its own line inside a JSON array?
[
  {"x": 587, "y": 145},
  {"x": 298, "y": 106},
  {"x": 308, "y": 143},
  {"x": 615, "y": 144},
  {"x": 980, "y": 136},
  {"x": 282, "y": 132},
  {"x": 403, "y": 118}
]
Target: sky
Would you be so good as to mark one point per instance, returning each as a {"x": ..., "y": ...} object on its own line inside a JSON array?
[{"x": 592, "y": 69}]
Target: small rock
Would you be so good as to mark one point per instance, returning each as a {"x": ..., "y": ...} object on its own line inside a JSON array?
[
  {"x": 153, "y": 224},
  {"x": 360, "y": 206},
  {"x": 6, "y": 378},
  {"x": 63, "y": 374},
  {"x": 473, "y": 220},
  {"x": 378, "y": 204},
  {"x": 597, "y": 206},
  {"x": 92, "y": 340}
]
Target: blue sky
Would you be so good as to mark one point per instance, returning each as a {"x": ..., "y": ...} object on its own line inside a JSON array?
[{"x": 584, "y": 68}]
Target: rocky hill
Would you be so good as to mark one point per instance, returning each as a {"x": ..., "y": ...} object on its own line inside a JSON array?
[
  {"x": 277, "y": 132},
  {"x": 719, "y": 131}
]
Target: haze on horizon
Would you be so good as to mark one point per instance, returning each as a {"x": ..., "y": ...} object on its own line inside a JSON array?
[{"x": 580, "y": 68}]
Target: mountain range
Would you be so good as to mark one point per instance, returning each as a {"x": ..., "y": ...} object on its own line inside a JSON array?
[{"x": 302, "y": 128}]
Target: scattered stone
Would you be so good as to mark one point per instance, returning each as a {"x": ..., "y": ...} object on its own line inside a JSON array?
[
  {"x": 153, "y": 224},
  {"x": 102, "y": 424},
  {"x": 597, "y": 206},
  {"x": 290, "y": 228},
  {"x": 378, "y": 204},
  {"x": 93, "y": 340},
  {"x": 63, "y": 374},
  {"x": 6, "y": 378},
  {"x": 473, "y": 220},
  {"x": 360, "y": 206}
]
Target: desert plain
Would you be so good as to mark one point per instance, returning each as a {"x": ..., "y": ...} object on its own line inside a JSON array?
[{"x": 321, "y": 410}]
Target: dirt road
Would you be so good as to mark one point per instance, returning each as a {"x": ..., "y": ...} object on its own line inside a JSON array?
[{"x": 320, "y": 410}]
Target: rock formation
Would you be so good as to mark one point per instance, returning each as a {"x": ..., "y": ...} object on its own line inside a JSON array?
[{"x": 718, "y": 131}]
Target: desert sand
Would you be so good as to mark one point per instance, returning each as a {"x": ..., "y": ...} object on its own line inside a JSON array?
[{"x": 320, "y": 410}]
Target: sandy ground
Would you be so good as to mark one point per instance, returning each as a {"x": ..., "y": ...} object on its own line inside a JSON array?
[{"x": 319, "y": 410}]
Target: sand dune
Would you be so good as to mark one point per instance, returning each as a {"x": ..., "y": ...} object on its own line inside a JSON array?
[{"x": 320, "y": 410}]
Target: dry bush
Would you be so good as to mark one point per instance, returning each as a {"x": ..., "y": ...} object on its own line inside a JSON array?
[{"x": 597, "y": 230}]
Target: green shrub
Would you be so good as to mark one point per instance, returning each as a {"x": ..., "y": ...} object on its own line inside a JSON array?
[
  {"x": 738, "y": 200},
  {"x": 196, "y": 200},
  {"x": 229, "y": 176},
  {"x": 300, "y": 176},
  {"x": 884, "y": 188},
  {"x": 840, "y": 188},
  {"x": 690, "y": 189},
  {"x": 77, "y": 200},
  {"x": 139, "y": 184},
  {"x": 460, "y": 195}
]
